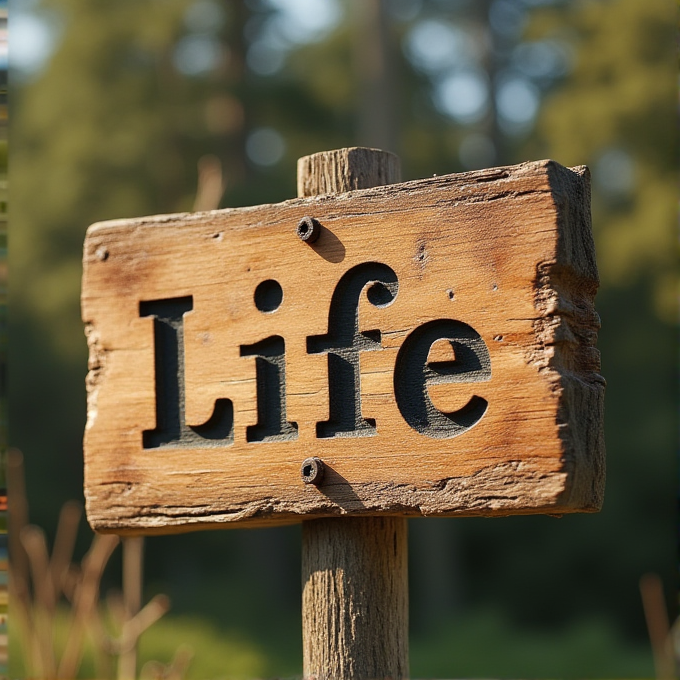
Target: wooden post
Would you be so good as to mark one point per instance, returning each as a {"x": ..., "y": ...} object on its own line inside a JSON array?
[{"x": 354, "y": 569}]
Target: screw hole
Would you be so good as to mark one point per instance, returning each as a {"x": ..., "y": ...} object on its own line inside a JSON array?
[
  {"x": 308, "y": 229},
  {"x": 312, "y": 470}
]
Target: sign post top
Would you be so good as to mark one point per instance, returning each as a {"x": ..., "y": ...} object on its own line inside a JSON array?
[
  {"x": 434, "y": 347},
  {"x": 341, "y": 170}
]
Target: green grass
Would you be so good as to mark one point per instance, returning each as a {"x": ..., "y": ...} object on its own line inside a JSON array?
[
  {"x": 215, "y": 654},
  {"x": 484, "y": 645},
  {"x": 476, "y": 645}
]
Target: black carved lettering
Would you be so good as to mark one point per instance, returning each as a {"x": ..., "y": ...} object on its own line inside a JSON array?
[
  {"x": 270, "y": 364},
  {"x": 413, "y": 374},
  {"x": 344, "y": 342},
  {"x": 171, "y": 428}
]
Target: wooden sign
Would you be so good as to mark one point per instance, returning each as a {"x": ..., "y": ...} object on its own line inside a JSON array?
[{"x": 424, "y": 348}]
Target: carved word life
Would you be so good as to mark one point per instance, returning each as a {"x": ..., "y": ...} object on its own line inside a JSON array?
[{"x": 343, "y": 345}]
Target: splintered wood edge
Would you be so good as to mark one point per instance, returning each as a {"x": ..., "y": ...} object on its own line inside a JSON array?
[
  {"x": 487, "y": 184},
  {"x": 566, "y": 332},
  {"x": 483, "y": 494}
]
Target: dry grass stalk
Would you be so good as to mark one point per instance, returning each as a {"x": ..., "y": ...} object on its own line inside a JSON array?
[
  {"x": 18, "y": 518},
  {"x": 41, "y": 614},
  {"x": 175, "y": 670},
  {"x": 211, "y": 184},
  {"x": 660, "y": 634},
  {"x": 63, "y": 578},
  {"x": 133, "y": 555},
  {"x": 85, "y": 602},
  {"x": 40, "y": 581}
]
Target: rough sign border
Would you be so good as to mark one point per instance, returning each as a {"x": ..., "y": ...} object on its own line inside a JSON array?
[{"x": 563, "y": 353}]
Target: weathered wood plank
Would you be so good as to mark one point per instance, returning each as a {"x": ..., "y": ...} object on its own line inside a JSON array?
[{"x": 508, "y": 252}]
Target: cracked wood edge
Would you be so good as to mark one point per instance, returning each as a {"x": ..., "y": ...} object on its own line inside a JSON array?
[
  {"x": 485, "y": 493},
  {"x": 566, "y": 335}
]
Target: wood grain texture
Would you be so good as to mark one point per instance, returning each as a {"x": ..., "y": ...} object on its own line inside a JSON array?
[
  {"x": 506, "y": 251},
  {"x": 342, "y": 170},
  {"x": 354, "y": 569},
  {"x": 355, "y": 598}
]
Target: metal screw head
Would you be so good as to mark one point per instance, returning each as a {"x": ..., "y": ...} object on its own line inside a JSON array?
[
  {"x": 312, "y": 471},
  {"x": 308, "y": 229}
]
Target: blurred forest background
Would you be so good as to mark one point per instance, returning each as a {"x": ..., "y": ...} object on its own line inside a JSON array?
[{"x": 116, "y": 104}]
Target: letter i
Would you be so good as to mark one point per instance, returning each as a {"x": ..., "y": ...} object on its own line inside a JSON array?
[{"x": 270, "y": 364}]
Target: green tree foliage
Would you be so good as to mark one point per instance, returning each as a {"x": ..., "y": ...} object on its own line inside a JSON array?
[
  {"x": 110, "y": 139},
  {"x": 617, "y": 113},
  {"x": 110, "y": 128}
]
